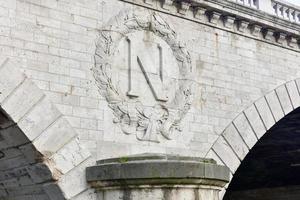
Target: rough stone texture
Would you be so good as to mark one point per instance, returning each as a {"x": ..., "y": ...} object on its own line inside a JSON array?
[
  {"x": 156, "y": 169},
  {"x": 187, "y": 193},
  {"x": 157, "y": 176},
  {"x": 53, "y": 43}
]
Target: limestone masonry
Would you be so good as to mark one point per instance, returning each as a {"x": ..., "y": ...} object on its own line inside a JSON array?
[{"x": 138, "y": 86}]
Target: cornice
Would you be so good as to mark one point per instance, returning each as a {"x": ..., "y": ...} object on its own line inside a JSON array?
[
  {"x": 251, "y": 14},
  {"x": 232, "y": 17}
]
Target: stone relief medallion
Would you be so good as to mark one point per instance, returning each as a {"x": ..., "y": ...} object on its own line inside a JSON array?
[{"x": 144, "y": 73}]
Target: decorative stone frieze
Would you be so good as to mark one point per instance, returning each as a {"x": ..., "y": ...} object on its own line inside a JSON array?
[
  {"x": 256, "y": 30},
  {"x": 229, "y": 22},
  {"x": 150, "y": 2},
  {"x": 214, "y": 17},
  {"x": 269, "y": 34},
  {"x": 166, "y": 4},
  {"x": 292, "y": 42},
  {"x": 281, "y": 37},
  {"x": 159, "y": 176},
  {"x": 200, "y": 14},
  {"x": 209, "y": 12},
  {"x": 242, "y": 25},
  {"x": 184, "y": 7}
]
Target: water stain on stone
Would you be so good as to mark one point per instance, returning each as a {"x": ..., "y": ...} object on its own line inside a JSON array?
[
  {"x": 167, "y": 194},
  {"x": 196, "y": 194},
  {"x": 127, "y": 194}
]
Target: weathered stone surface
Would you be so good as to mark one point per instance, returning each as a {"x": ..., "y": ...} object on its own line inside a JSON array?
[
  {"x": 275, "y": 105},
  {"x": 22, "y": 99},
  {"x": 293, "y": 93},
  {"x": 245, "y": 129},
  {"x": 233, "y": 63},
  {"x": 71, "y": 155},
  {"x": 151, "y": 167},
  {"x": 265, "y": 112},
  {"x": 226, "y": 153},
  {"x": 131, "y": 174},
  {"x": 78, "y": 177},
  {"x": 284, "y": 99},
  {"x": 235, "y": 141},
  {"x": 55, "y": 137},
  {"x": 255, "y": 121},
  {"x": 39, "y": 118},
  {"x": 14, "y": 78}
]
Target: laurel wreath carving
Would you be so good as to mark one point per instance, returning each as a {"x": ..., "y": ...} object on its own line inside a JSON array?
[{"x": 147, "y": 123}]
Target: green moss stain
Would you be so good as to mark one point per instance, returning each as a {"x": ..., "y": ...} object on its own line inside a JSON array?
[{"x": 123, "y": 159}]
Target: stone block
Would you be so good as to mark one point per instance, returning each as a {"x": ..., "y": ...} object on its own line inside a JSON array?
[
  {"x": 11, "y": 81},
  {"x": 255, "y": 121},
  {"x": 245, "y": 129},
  {"x": 269, "y": 34},
  {"x": 243, "y": 25},
  {"x": 229, "y": 22},
  {"x": 78, "y": 177},
  {"x": 275, "y": 105},
  {"x": 281, "y": 38},
  {"x": 71, "y": 155},
  {"x": 200, "y": 14},
  {"x": 284, "y": 99},
  {"x": 39, "y": 118},
  {"x": 293, "y": 93},
  {"x": 214, "y": 17},
  {"x": 22, "y": 100},
  {"x": 212, "y": 155},
  {"x": 265, "y": 113},
  {"x": 256, "y": 30},
  {"x": 54, "y": 137},
  {"x": 234, "y": 139},
  {"x": 226, "y": 153}
]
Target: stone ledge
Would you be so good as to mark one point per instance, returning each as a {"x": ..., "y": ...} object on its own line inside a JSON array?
[
  {"x": 233, "y": 17},
  {"x": 151, "y": 156},
  {"x": 151, "y": 169}
]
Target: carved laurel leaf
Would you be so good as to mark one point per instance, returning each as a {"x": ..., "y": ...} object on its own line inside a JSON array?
[{"x": 131, "y": 115}]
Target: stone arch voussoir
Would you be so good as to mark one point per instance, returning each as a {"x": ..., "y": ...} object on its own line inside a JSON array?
[
  {"x": 40, "y": 154},
  {"x": 248, "y": 127}
]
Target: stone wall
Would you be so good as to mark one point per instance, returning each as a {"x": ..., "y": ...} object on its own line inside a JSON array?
[{"x": 54, "y": 42}]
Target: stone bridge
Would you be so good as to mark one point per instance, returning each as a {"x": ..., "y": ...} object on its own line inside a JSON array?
[{"x": 149, "y": 100}]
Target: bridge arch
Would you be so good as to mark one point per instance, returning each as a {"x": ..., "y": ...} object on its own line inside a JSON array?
[
  {"x": 39, "y": 150},
  {"x": 251, "y": 126}
]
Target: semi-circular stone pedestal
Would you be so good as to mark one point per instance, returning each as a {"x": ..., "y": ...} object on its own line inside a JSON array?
[{"x": 157, "y": 177}]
